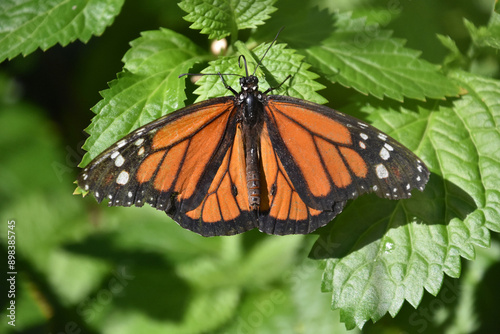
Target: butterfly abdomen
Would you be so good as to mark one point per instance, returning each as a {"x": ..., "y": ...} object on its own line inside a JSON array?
[{"x": 252, "y": 166}]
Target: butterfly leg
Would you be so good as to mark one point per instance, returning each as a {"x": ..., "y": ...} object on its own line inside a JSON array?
[
  {"x": 226, "y": 85},
  {"x": 270, "y": 89}
]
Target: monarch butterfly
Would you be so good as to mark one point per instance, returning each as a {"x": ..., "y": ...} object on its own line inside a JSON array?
[{"x": 234, "y": 163}]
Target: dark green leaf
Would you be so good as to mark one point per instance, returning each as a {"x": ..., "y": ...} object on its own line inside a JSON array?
[
  {"x": 29, "y": 25},
  {"x": 220, "y": 18}
]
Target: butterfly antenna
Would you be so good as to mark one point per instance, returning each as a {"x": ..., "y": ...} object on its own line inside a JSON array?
[
  {"x": 244, "y": 61},
  {"x": 265, "y": 53},
  {"x": 201, "y": 74}
]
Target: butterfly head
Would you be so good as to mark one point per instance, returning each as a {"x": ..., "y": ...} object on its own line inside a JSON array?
[{"x": 249, "y": 83}]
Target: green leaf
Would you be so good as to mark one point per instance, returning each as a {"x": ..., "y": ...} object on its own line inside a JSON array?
[
  {"x": 381, "y": 252},
  {"x": 368, "y": 59},
  {"x": 454, "y": 59},
  {"x": 147, "y": 89},
  {"x": 488, "y": 36},
  {"x": 277, "y": 65},
  {"x": 480, "y": 113},
  {"x": 220, "y": 18},
  {"x": 28, "y": 25}
]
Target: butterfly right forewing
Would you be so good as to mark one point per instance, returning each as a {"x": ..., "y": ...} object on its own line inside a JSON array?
[{"x": 331, "y": 157}]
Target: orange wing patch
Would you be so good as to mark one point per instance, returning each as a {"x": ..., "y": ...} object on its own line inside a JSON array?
[
  {"x": 301, "y": 145},
  {"x": 285, "y": 203},
  {"x": 187, "y": 125},
  {"x": 185, "y": 147},
  {"x": 320, "y": 148},
  {"x": 316, "y": 123},
  {"x": 227, "y": 196}
]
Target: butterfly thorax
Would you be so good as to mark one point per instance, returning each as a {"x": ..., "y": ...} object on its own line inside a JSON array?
[{"x": 250, "y": 99}]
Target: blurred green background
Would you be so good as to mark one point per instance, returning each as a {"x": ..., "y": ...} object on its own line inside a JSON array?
[{"x": 87, "y": 268}]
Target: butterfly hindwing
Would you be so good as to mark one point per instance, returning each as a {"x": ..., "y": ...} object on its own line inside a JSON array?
[{"x": 225, "y": 209}]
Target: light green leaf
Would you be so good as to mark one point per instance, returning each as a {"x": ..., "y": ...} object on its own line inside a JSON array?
[
  {"x": 382, "y": 252},
  {"x": 371, "y": 61},
  {"x": 147, "y": 89},
  {"x": 276, "y": 66},
  {"x": 28, "y": 25},
  {"x": 220, "y": 18}
]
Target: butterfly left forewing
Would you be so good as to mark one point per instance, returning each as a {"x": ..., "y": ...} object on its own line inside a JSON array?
[{"x": 168, "y": 163}]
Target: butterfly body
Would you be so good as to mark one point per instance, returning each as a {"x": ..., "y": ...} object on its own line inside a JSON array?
[{"x": 252, "y": 160}]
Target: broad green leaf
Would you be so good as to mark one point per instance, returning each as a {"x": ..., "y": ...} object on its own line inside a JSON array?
[
  {"x": 486, "y": 36},
  {"x": 29, "y": 25},
  {"x": 147, "y": 89},
  {"x": 368, "y": 59},
  {"x": 479, "y": 110},
  {"x": 278, "y": 63},
  {"x": 220, "y": 18},
  {"x": 382, "y": 252}
]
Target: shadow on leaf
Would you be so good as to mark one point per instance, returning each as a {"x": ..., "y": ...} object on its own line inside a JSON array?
[{"x": 369, "y": 218}]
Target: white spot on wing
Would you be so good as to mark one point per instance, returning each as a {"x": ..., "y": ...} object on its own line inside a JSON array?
[
  {"x": 382, "y": 136},
  {"x": 129, "y": 194},
  {"x": 364, "y": 136},
  {"x": 384, "y": 153},
  {"x": 363, "y": 125},
  {"x": 362, "y": 145},
  {"x": 418, "y": 178},
  {"x": 389, "y": 147},
  {"x": 119, "y": 160},
  {"x": 141, "y": 151},
  {"x": 381, "y": 171},
  {"x": 139, "y": 142},
  {"x": 114, "y": 154},
  {"x": 121, "y": 143},
  {"x": 122, "y": 178}
]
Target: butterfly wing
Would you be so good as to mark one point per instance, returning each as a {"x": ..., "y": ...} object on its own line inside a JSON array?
[
  {"x": 324, "y": 158},
  {"x": 176, "y": 164},
  {"x": 225, "y": 209},
  {"x": 283, "y": 209}
]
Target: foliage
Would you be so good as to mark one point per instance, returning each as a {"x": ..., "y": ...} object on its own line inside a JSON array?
[{"x": 133, "y": 270}]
